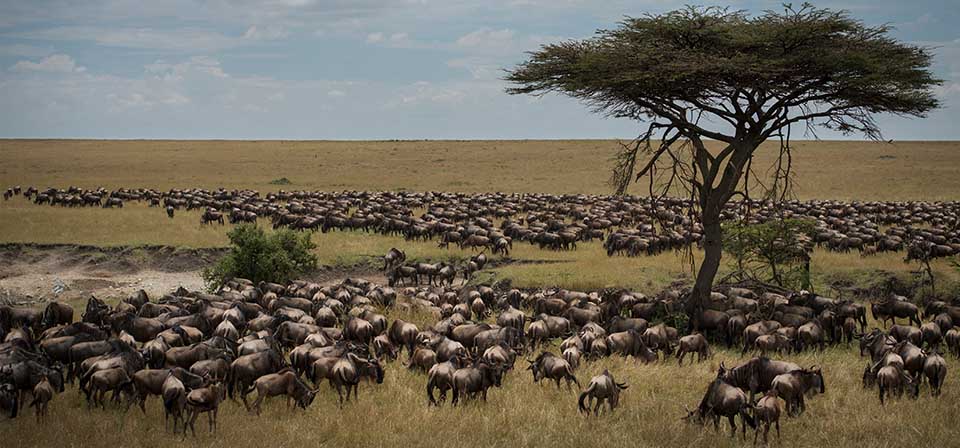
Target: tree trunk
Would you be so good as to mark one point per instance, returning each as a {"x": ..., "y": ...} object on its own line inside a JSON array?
[{"x": 712, "y": 250}]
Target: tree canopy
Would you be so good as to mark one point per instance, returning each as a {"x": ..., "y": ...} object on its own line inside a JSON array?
[{"x": 702, "y": 73}]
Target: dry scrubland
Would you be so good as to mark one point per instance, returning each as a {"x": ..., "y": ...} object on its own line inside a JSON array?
[{"x": 520, "y": 414}]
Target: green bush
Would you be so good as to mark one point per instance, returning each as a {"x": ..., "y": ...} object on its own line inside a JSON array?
[
  {"x": 775, "y": 251},
  {"x": 279, "y": 256}
]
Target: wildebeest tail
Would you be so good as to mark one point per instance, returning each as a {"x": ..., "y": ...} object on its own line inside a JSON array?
[
  {"x": 430, "y": 384},
  {"x": 572, "y": 376},
  {"x": 583, "y": 396}
]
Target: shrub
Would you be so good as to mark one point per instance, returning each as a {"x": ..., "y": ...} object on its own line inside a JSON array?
[
  {"x": 776, "y": 250},
  {"x": 255, "y": 255}
]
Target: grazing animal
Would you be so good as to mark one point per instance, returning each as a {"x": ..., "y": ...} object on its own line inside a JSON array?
[
  {"x": 441, "y": 378},
  {"x": 43, "y": 393},
  {"x": 601, "y": 388},
  {"x": 694, "y": 343},
  {"x": 793, "y": 385},
  {"x": 205, "y": 400},
  {"x": 174, "y": 395},
  {"x": 284, "y": 382},
  {"x": 475, "y": 380},
  {"x": 723, "y": 400},
  {"x": 935, "y": 369},
  {"x": 550, "y": 366},
  {"x": 767, "y": 412},
  {"x": 894, "y": 379}
]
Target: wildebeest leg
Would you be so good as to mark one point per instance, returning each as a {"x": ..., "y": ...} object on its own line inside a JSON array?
[
  {"x": 596, "y": 409},
  {"x": 190, "y": 420},
  {"x": 778, "y": 430},
  {"x": 733, "y": 425},
  {"x": 256, "y": 403},
  {"x": 880, "y": 387}
]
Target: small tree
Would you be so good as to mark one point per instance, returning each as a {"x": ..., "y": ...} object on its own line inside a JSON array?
[
  {"x": 255, "y": 255},
  {"x": 701, "y": 74},
  {"x": 774, "y": 251}
]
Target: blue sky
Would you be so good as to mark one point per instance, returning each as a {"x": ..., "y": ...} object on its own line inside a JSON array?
[{"x": 345, "y": 69}]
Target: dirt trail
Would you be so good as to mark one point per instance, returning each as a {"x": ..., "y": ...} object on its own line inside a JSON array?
[{"x": 31, "y": 273}]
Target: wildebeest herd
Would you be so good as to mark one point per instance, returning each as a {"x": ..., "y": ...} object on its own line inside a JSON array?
[
  {"x": 627, "y": 225},
  {"x": 196, "y": 351}
]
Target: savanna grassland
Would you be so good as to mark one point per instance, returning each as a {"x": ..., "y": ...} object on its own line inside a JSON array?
[
  {"x": 521, "y": 413},
  {"x": 847, "y": 170}
]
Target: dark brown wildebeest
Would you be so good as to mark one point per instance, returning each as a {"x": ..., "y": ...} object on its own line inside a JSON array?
[
  {"x": 113, "y": 380},
  {"x": 549, "y": 366},
  {"x": 403, "y": 334},
  {"x": 57, "y": 313},
  {"x": 400, "y": 274},
  {"x": 767, "y": 412},
  {"x": 468, "y": 382},
  {"x": 206, "y": 399},
  {"x": 210, "y": 216},
  {"x": 43, "y": 392},
  {"x": 694, "y": 343},
  {"x": 892, "y": 379},
  {"x": 893, "y": 308},
  {"x": 755, "y": 330},
  {"x": 631, "y": 343},
  {"x": 246, "y": 369},
  {"x": 394, "y": 257},
  {"x": 602, "y": 388},
  {"x": 440, "y": 377},
  {"x": 906, "y": 333},
  {"x": 723, "y": 400},
  {"x": 174, "y": 395},
  {"x": 422, "y": 359},
  {"x": 755, "y": 375},
  {"x": 931, "y": 335},
  {"x": 284, "y": 382},
  {"x": 952, "y": 338},
  {"x": 794, "y": 385},
  {"x": 348, "y": 370},
  {"x": 935, "y": 369},
  {"x": 170, "y": 211},
  {"x": 150, "y": 382}
]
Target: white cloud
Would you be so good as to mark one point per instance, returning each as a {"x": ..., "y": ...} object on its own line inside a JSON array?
[
  {"x": 486, "y": 38},
  {"x": 336, "y": 93},
  {"x": 57, "y": 63},
  {"x": 176, "y": 72},
  {"x": 30, "y": 51},
  {"x": 373, "y": 38},
  {"x": 266, "y": 33},
  {"x": 188, "y": 40}
]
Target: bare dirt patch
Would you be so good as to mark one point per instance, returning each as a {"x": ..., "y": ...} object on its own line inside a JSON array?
[{"x": 31, "y": 273}]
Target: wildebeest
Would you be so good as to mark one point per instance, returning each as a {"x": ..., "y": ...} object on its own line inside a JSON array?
[
  {"x": 348, "y": 370},
  {"x": 766, "y": 412},
  {"x": 43, "y": 393},
  {"x": 284, "y": 382},
  {"x": 723, "y": 400},
  {"x": 550, "y": 366},
  {"x": 694, "y": 343},
  {"x": 793, "y": 385},
  {"x": 440, "y": 377},
  {"x": 601, "y": 388},
  {"x": 935, "y": 369},
  {"x": 205, "y": 400},
  {"x": 894, "y": 379},
  {"x": 475, "y": 380}
]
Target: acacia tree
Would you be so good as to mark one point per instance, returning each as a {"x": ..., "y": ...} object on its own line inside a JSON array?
[{"x": 700, "y": 74}]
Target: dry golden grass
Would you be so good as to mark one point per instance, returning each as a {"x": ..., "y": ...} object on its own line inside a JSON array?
[
  {"x": 395, "y": 414},
  {"x": 825, "y": 169},
  {"x": 520, "y": 414}
]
